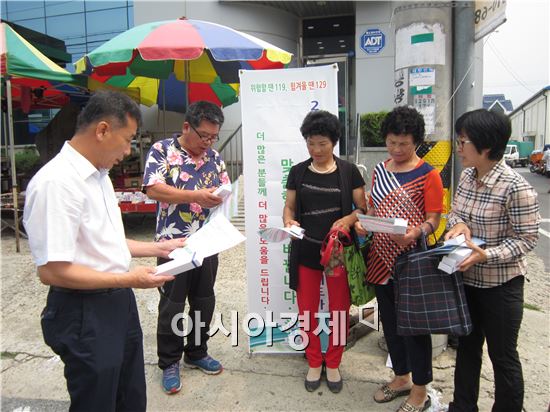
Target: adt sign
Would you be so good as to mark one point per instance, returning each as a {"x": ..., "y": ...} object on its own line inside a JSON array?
[{"x": 372, "y": 41}]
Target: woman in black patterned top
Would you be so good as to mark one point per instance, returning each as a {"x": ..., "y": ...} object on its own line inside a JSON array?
[{"x": 321, "y": 194}]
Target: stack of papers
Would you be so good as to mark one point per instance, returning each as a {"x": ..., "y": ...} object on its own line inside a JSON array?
[
  {"x": 187, "y": 260},
  {"x": 450, "y": 263},
  {"x": 396, "y": 226},
  {"x": 278, "y": 234},
  {"x": 457, "y": 252}
]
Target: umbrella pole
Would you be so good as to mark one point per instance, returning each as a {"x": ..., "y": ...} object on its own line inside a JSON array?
[
  {"x": 164, "y": 108},
  {"x": 12, "y": 162},
  {"x": 187, "y": 79}
]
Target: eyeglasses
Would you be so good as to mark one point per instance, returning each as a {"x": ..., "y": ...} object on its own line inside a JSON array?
[
  {"x": 460, "y": 143},
  {"x": 212, "y": 138}
]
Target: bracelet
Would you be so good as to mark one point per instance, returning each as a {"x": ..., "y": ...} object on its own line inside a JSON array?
[{"x": 431, "y": 226}]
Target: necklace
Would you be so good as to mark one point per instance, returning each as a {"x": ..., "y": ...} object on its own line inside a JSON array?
[{"x": 323, "y": 172}]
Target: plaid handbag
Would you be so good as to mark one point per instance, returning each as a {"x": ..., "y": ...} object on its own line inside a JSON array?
[{"x": 428, "y": 300}]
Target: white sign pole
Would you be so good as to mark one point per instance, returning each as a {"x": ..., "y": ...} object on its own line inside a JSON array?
[{"x": 273, "y": 105}]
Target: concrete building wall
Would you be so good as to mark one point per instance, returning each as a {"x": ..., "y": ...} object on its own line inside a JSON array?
[
  {"x": 374, "y": 73},
  {"x": 532, "y": 121},
  {"x": 517, "y": 125}
]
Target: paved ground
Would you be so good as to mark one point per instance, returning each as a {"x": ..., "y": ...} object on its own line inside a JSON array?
[
  {"x": 32, "y": 379},
  {"x": 541, "y": 185}
]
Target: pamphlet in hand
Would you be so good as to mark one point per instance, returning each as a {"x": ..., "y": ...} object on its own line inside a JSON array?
[
  {"x": 396, "y": 226},
  {"x": 223, "y": 191},
  {"x": 215, "y": 236},
  {"x": 451, "y": 245},
  {"x": 457, "y": 251},
  {"x": 278, "y": 234}
]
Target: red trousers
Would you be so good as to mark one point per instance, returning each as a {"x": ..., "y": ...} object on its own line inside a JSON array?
[{"x": 308, "y": 295}]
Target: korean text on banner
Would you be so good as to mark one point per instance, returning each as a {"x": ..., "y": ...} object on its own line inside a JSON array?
[{"x": 273, "y": 105}]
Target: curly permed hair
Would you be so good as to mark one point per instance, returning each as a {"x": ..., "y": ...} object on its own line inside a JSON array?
[
  {"x": 404, "y": 120},
  {"x": 323, "y": 123}
]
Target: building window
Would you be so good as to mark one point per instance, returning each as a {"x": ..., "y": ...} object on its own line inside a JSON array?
[{"x": 82, "y": 25}]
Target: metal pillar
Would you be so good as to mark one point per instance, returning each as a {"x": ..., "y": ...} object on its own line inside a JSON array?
[
  {"x": 13, "y": 169},
  {"x": 463, "y": 68}
]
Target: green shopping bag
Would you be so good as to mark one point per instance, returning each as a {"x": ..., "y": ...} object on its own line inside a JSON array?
[
  {"x": 354, "y": 261},
  {"x": 360, "y": 292},
  {"x": 341, "y": 251}
]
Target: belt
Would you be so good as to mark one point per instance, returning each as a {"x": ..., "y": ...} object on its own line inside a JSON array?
[{"x": 83, "y": 291}]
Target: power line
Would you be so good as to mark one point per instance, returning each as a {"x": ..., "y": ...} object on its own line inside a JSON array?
[{"x": 508, "y": 68}]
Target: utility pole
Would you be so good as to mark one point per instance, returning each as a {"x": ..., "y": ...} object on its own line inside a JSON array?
[
  {"x": 423, "y": 78},
  {"x": 463, "y": 68}
]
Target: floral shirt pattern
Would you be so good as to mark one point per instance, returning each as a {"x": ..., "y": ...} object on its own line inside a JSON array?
[{"x": 168, "y": 163}]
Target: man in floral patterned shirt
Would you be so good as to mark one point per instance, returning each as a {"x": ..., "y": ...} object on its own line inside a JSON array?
[{"x": 180, "y": 174}]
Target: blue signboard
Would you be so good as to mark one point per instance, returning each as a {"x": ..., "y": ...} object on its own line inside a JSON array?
[{"x": 373, "y": 41}]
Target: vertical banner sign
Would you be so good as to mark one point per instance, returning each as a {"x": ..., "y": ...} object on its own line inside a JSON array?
[{"x": 273, "y": 105}]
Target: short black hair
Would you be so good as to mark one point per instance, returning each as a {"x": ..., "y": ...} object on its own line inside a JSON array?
[
  {"x": 404, "y": 120},
  {"x": 203, "y": 110},
  {"x": 108, "y": 104},
  {"x": 323, "y": 123},
  {"x": 486, "y": 130}
]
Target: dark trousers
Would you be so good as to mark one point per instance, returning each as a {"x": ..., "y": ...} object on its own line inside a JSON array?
[
  {"x": 98, "y": 337},
  {"x": 407, "y": 353},
  {"x": 197, "y": 286},
  {"x": 496, "y": 316}
]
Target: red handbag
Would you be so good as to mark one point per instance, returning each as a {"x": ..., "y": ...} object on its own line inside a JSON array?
[{"x": 332, "y": 252}]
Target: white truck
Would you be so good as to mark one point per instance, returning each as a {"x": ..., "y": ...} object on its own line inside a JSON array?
[{"x": 517, "y": 153}]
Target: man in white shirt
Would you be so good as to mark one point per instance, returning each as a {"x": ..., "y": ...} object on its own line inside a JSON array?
[{"x": 77, "y": 240}]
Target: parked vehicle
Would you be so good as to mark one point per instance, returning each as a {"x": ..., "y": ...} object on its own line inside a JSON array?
[
  {"x": 546, "y": 161},
  {"x": 517, "y": 153},
  {"x": 536, "y": 161}
]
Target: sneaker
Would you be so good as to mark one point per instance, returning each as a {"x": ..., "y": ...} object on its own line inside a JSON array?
[
  {"x": 171, "y": 381},
  {"x": 207, "y": 364}
]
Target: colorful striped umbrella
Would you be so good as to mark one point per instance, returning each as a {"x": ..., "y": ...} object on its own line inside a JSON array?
[{"x": 198, "y": 60}]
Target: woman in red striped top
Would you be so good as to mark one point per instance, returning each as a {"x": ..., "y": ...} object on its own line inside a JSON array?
[{"x": 403, "y": 186}]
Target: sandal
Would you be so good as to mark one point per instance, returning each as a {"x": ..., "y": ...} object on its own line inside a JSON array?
[
  {"x": 390, "y": 394},
  {"x": 407, "y": 407}
]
